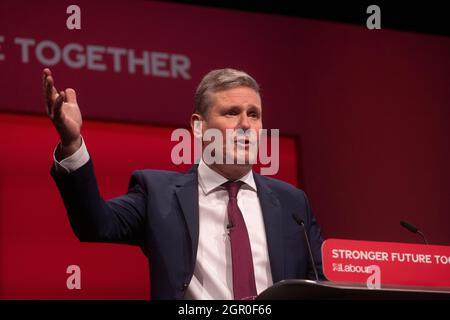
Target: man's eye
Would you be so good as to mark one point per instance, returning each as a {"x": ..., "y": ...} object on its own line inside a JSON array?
[
  {"x": 254, "y": 115},
  {"x": 232, "y": 113}
]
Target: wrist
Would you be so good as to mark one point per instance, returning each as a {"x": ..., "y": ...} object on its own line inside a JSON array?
[{"x": 69, "y": 148}]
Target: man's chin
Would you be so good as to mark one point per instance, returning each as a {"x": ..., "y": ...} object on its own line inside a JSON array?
[{"x": 241, "y": 162}]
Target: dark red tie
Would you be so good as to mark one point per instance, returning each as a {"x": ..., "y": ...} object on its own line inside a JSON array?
[{"x": 244, "y": 286}]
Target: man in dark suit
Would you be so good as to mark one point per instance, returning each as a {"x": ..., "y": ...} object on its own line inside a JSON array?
[{"x": 220, "y": 231}]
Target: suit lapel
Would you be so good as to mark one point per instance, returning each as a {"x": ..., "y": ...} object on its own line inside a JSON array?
[
  {"x": 271, "y": 210},
  {"x": 187, "y": 195}
]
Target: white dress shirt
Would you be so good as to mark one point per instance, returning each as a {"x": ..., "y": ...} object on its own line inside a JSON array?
[
  {"x": 212, "y": 277},
  {"x": 213, "y": 268}
]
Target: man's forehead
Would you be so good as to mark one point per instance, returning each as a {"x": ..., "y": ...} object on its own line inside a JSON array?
[{"x": 239, "y": 95}]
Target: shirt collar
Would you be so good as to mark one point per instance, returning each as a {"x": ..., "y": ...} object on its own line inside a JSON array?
[{"x": 209, "y": 179}]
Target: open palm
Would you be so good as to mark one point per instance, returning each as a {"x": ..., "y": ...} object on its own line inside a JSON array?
[{"x": 63, "y": 110}]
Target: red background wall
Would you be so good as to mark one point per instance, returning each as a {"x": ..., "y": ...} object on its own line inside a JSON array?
[{"x": 371, "y": 108}]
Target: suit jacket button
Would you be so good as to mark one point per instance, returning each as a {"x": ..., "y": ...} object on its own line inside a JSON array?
[{"x": 184, "y": 287}]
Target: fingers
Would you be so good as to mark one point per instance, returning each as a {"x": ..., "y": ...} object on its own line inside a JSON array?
[
  {"x": 45, "y": 90},
  {"x": 54, "y": 99},
  {"x": 70, "y": 96},
  {"x": 57, "y": 106},
  {"x": 47, "y": 72},
  {"x": 46, "y": 78},
  {"x": 50, "y": 92}
]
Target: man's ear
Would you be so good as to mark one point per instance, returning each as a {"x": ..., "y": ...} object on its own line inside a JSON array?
[{"x": 197, "y": 124}]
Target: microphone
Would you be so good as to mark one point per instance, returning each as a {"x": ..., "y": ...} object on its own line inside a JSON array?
[
  {"x": 412, "y": 228},
  {"x": 301, "y": 223},
  {"x": 230, "y": 226}
]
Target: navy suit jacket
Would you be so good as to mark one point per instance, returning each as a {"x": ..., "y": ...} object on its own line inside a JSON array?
[{"x": 159, "y": 213}]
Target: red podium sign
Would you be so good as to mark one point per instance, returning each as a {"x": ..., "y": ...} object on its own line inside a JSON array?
[{"x": 389, "y": 262}]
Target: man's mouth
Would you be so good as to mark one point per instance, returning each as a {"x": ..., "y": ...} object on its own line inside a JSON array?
[{"x": 243, "y": 142}]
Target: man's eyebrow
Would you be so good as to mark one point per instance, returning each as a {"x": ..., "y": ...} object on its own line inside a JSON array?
[
  {"x": 252, "y": 106},
  {"x": 231, "y": 107}
]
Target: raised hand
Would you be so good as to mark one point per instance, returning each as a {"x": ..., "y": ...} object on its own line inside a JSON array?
[{"x": 63, "y": 110}]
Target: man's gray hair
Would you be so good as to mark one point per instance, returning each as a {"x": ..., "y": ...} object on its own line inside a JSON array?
[{"x": 219, "y": 80}]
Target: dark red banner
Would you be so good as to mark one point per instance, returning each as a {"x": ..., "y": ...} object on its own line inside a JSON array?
[{"x": 135, "y": 60}]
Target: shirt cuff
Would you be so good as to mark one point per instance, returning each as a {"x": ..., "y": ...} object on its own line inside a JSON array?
[{"x": 73, "y": 162}]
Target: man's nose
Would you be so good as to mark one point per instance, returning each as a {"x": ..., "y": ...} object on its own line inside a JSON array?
[{"x": 244, "y": 122}]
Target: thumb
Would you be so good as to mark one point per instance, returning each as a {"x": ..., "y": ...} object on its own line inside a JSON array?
[{"x": 71, "y": 96}]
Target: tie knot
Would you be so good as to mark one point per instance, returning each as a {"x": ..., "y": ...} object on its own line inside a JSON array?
[{"x": 233, "y": 188}]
